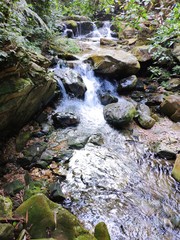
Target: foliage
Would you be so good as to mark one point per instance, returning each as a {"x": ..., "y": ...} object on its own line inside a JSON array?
[{"x": 159, "y": 74}]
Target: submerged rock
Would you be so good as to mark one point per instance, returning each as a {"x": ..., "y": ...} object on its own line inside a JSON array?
[
  {"x": 65, "y": 120},
  {"x": 171, "y": 107},
  {"x": 114, "y": 63},
  {"x": 176, "y": 169},
  {"x": 46, "y": 216},
  {"x": 119, "y": 114}
]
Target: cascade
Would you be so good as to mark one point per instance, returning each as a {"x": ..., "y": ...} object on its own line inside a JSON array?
[{"x": 114, "y": 182}]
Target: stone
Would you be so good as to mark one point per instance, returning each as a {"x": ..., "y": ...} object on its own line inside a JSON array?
[
  {"x": 119, "y": 114},
  {"x": 142, "y": 53},
  {"x": 114, "y": 63},
  {"x": 166, "y": 154},
  {"x": 107, "y": 98},
  {"x": 144, "y": 117},
  {"x": 45, "y": 215},
  {"x": 96, "y": 139},
  {"x": 127, "y": 84},
  {"x": 173, "y": 84},
  {"x": 171, "y": 107},
  {"x": 63, "y": 120},
  {"x": 176, "y": 51},
  {"x": 101, "y": 232},
  {"x": 72, "y": 82},
  {"x": 85, "y": 27},
  {"x": 107, "y": 42},
  {"x": 55, "y": 192},
  {"x": 6, "y": 231},
  {"x": 176, "y": 169},
  {"x": 5, "y": 207},
  {"x": 13, "y": 187},
  {"x": 21, "y": 140}
]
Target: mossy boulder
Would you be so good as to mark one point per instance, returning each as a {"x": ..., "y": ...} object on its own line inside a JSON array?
[
  {"x": 101, "y": 232},
  {"x": 45, "y": 215},
  {"x": 5, "y": 207},
  {"x": 176, "y": 169},
  {"x": 144, "y": 117},
  {"x": 119, "y": 114}
]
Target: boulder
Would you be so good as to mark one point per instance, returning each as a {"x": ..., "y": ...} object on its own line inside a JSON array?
[
  {"x": 114, "y": 63},
  {"x": 5, "y": 207},
  {"x": 176, "y": 169},
  {"x": 119, "y": 114},
  {"x": 72, "y": 82},
  {"x": 171, "y": 107},
  {"x": 46, "y": 216},
  {"x": 107, "y": 42},
  {"x": 85, "y": 27},
  {"x": 127, "y": 84},
  {"x": 144, "y": 117},
  {"x": 65, "y": 120},
  {"x": 24, "y": 89}
]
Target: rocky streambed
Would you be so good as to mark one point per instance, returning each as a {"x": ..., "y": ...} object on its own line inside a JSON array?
[{"x": 105, "y": 151}]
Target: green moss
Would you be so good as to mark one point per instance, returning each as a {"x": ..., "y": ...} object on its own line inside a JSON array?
[
  {"x": 101, "y": 232},
  {"x": 72, "y": 23},
  {"x": 5, "y": 207},
  {"x": 65, "y": 45}
]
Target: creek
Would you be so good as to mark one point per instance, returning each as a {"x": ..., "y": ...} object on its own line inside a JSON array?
[{"x": 117, "y": 181}]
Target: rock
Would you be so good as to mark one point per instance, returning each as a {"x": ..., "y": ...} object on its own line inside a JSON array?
[
  {"x": 69, "y": 33},
  {"x": 127, "y": 84},
  {"x": 107, "y": 98},
  {"x": 35, "y": 187},
  {"x": 5, "y": 207},
  {"x": 114, "y": 63},
  {"x": 171, "y": 107},
  {"x": 55, "y": 192},
  {"x": 65, "y": 120},
  {"x": 46, "y": 216},
  {"x": 129, "y": 32},
  {"x": 13, "y": 187},
  {"x": 166, "y": 154},
  {"x": 21, "y": 140},
  {"x": 144, "y": 117},
  {"x": 24, "y": 89},
  {"x": 72, "y": 82},
  {"x": 96, "y": 139},
  {"x": 72, "y": 27},
  {"x": 107, "y": 42},
  {"x": 6, "y": 231},
  {"x": 101, "y": 232},
  {"x": 142, "y": 53},
  {"x": 176, "y": 169},
  {"x": 77, "y": 142},
  {"x": 176, "y": 51},
  {"x": 119, "y": 114},
  {"x": 172, "y": 84},
  {"x": 85, "y": 27}
]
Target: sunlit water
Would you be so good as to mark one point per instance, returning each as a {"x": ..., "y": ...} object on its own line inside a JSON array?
[{"x": 117, "y": 182}]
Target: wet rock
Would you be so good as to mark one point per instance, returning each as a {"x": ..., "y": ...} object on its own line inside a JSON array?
[
  {"x": 176, "y": 51},
  {"x": 72, "y": 82},
  {"x": 85, "y": 27},
  {"x": 55, "y": 192},
  {"x": 119, "y": 114},
  {"x": 46, "y": 216},
  {"x": 96, "y": 139},
  {"x": 6, "y": 231},
  {"x": 77, "y": 142},
  {"x": 127, "y": 84},
  {"x": 69, "y": 33},
  {"x": 13, "y": 187},
  {"x": 129, "y": 32},
  {"x": 144, "y": 117},
  {"x": 101, "y": 232},
  {"x": 114, "y": 63},
  {"x": 166, "y": 154},
  {"x": 176, "y": 169},
  {"x": 153, "y": 99},
  {"x": 5, "y": 207},
  {"x": 107, "y": 98},
  {"x": 63, "y": 120},
  {"x": 64, "y": 156},
  {"x": 171, "y": 107},
  {"x": 175, "y": 220}
]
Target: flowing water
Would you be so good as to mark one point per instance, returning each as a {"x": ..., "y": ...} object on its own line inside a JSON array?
[{"x": 118, "y": 182}]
